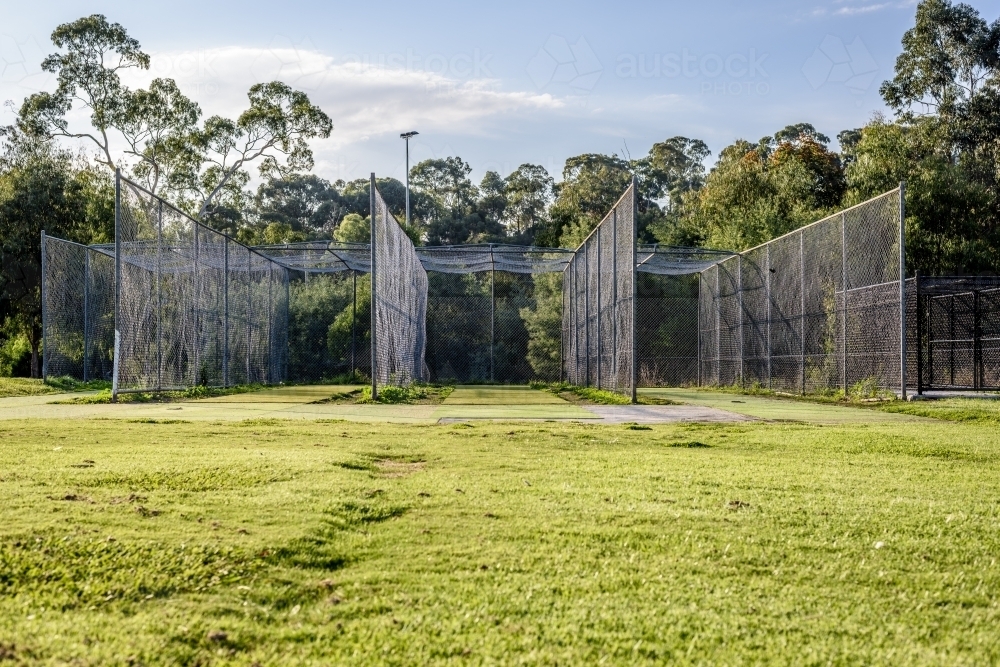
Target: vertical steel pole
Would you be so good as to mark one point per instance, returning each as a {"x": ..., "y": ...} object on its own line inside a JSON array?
[
  {"x": 270, "y": 323},
  {"x": 718, "y": 325},
  {"x": 118, "y": 285},
  {"x": 86, "y": 314},
  {"x": 920, "y": 334},
  {"x": 614, "y": 300},
  {"x": 633, "y": 272},
  {"x": 902, "y": 290},
  {"x": 701, "y": 279},
  {"x": 354, "y": 322},
  {"x": 44, "y": 293},
  {"x": 407, "y": 181},
  {"x": 249, "y": 319},
  {"x": 586, "y": 310},
  {"x": 374, "y": 299},
  {"x": 739, "y": 305},
  {"x": 843, "y": 287},
  {"x": 493, "y": 317},
  {"x": 977, "y": 354},
  {"x": 767, "y": 292},
  {"x": 802, "y": 305},
  {"x": 600, "y": 278},
  {"x": 159, "y": 297},
  {"x": 196, "y": 334},
  {"x": 225, "y": 315}
]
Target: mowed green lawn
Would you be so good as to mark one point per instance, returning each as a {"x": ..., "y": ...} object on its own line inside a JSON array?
[{"x": 299, "y": 542}]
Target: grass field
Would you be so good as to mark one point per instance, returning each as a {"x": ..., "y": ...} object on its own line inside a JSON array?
[{"x": 153, "y": 540}]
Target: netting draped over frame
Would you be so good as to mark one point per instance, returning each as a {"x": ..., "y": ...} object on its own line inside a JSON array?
[
  {"x": 77, "y": 310},
  {"x": 599, "y": 303},
  {"x": 194, "y": 306},
  {"x": 815, "y": 309},
  {"x": 399, "y": 298}
]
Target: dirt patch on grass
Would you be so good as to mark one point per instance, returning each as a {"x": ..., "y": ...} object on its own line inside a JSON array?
[{"x": 391, "y": 468}]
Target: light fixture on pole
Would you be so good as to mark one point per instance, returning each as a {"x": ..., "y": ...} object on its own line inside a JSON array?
[{"x": 405, "y": 136}]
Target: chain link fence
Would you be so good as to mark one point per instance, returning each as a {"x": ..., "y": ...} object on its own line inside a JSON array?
[
  {"x": 78, "y": 311},
  {"x": 599, "y": 290},
  {"x": 814, "y": 310}
]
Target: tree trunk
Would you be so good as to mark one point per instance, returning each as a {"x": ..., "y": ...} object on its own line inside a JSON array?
[{"x": 35, "y": 369}]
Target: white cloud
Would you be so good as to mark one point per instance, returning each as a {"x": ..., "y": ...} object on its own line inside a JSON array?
[{"x": 363, "y": 99}]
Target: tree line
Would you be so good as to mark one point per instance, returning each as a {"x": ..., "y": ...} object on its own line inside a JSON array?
[{"x": 943, "y": 139}]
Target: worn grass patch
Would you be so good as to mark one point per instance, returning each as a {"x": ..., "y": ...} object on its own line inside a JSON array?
[{"x": 306, "y": 543}]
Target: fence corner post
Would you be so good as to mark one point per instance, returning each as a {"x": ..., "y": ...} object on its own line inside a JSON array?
[
  {"x": 374, "y": 297},
  {"x": 902, "y": 289}
]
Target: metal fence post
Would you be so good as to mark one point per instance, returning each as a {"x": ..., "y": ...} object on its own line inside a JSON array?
[
  {"x": 159, "y": 297},
  {"x": 718, "y": 325},
  {"x": 197, "y": 307},
  {"x": 614, "y": 297},
  {"x": 843, "y": 287},
  {"x": 902, "y": 289},
  {"x": 633, "y": 271},
  {"x": 116, "y": 366},
  {"x": 225, "y": 315},
  {"x": 739, "y": 312},
  {"x": 767, "y": 301},
  {"x": 493, "y": 313},
  {"x": 701, "y": 279},
  {"x": 920, "y": 333},
  {"x": 802, "y": 305},
  {"x": 586, "y": 312},
  {"x": 86, "y": 314},
  {"x": 249, "y": 318},
  {"x": 600, "y": 378},
  {"x": 374, "y": 298},
  {"x": 270, "y": 323},
  {"x": 354, "y": 322},
  {"x": 977, "y": 342},
  {"x": 44, "y": 293}
]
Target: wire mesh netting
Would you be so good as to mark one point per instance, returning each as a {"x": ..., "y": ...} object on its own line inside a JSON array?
[
  {"x": 78, "y": 315},
  {"x": 190, "y": 306},
  {"x": 599, "y": 287},
  {"x": 812, "y": 310},
  {"x": 818, "y": 308},
  {"x": 399, "y": 297}
]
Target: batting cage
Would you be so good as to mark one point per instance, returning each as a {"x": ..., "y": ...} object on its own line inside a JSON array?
[{"x": 173, "y": 304}]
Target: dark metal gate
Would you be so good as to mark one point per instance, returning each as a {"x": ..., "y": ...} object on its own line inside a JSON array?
[{"x": 958, "y": 329}]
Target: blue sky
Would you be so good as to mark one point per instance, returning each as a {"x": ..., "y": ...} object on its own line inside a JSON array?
[{"x": 506, "y": 83}]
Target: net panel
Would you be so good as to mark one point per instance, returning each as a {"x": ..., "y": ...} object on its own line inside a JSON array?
[
  {"x": 399, "y": 301},
  {"x": 818, "y": 308},
  {"x": 194, "y": 307},
  {"x": 599, "y": 288}
]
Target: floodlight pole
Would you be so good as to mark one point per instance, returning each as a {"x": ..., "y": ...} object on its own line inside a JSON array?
[
  {"x": 406, "y": 136},
  {"x": 374, "y": 298}
]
